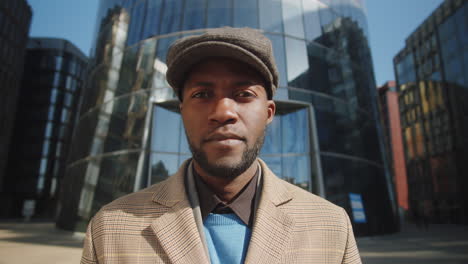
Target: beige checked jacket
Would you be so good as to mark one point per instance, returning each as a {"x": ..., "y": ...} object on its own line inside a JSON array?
[{"x": 157, "y": 225}]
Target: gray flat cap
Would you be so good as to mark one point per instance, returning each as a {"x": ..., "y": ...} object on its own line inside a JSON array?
[{"x": 243, "y": 44}]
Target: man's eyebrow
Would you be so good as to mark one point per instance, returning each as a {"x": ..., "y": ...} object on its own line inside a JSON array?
[
  {"x": 247, "y": 82},
  {"x": 202, "y": 83}
]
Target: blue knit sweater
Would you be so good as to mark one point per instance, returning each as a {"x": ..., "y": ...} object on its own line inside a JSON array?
[{"x": 227, "y": 238}]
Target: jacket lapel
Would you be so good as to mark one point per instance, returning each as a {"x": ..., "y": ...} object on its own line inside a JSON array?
[
  {"x": 272, "y": 227},
  {"x": 176, "y": 229}
]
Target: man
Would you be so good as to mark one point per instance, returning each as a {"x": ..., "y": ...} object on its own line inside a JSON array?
[{"x": 224, "y": 205}]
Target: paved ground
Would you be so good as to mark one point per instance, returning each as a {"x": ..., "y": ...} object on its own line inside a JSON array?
[
  {"x": 442, "y": 244},
  {"x": 41, "y": 243}
]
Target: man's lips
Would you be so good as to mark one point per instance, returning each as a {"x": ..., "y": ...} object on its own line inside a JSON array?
[{"x": 223, "y": 136}]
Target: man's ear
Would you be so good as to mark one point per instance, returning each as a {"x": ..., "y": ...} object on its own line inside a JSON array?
[{"x": 271, "y": 108}]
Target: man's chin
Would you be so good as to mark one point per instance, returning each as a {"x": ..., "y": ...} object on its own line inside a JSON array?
[{"x": 226, "y": 167}]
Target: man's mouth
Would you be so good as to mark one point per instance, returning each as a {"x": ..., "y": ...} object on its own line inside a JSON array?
[{"x": 218, "y": 136}]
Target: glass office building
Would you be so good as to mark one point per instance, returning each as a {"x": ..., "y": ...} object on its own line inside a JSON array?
[
  {"x": 324, "y": 137},
  {"x": 54, "y": 71},
  {"x": 432, "y": 79},
  {"x": 15, "y": 18}
]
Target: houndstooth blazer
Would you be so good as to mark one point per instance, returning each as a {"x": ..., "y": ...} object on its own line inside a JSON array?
[{"x": 157, "y": 225}]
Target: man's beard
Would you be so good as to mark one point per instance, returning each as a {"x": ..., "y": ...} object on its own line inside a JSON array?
[{"x": 227, "y": 171}]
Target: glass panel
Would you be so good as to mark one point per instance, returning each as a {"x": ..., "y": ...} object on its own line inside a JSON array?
[
  {"x": 172, "y": 15},
  {"x": 153, "y": 15},
  {"x": 43, "y": 167},
  {"x": 326, "y": 16},
  {"x": 161, "y": 52},
  {"x": 68, "y": 83},
  {"x": 272, "y": 143},
  {"x": 274, "y": 164},
  {"x": 136, "y": 23},
  {"x": 297, "y": 64},
  {"x": 292, "y": 16},
  {"x": 68, "y": 99},
  {"x": 162, "y": 165},
  {"x": 280, "y": 57},
  {"x": 48, "y": 131},
  {"x": 166, "y": 129},
  {"x": 246, "y": 13},
  {"x": 219, "y": 13},
  {"x": 295, "y": 132},
  {"x": 51, "y": 112},
  {"x": 194, "y": 14},
  {"x": 270, "y": 11},
  {"x": 53, "y": 96},
  {"x": 296, "y": 170},
  {"x": 45, "y": 148},
  {"x": 56, "y": 82},
  {"x": 311, "y": 19},
  {"x": 64, "y": 116},
  {"x": 109, "y": 178}
]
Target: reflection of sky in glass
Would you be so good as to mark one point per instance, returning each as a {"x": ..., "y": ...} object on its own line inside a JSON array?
[
  {"x": 165, "y": 132},
  {"x": 286, "y": 148},
  {"x": 292, "y": 16},
  {"x": 219, "y": 13},
  {"x": 272, "y": 143},
  {"x": 295, "y": 132},
  {"x": 194, "y": 14},
  {"x": 163, "y": 162},
  {"x": 312, "y": 19},
  {"x": 297, "y": 63},
  {"x": 245, "y": 13},
  {"x": 270, "y": 11},
  {"x": 153, "y": 12}
]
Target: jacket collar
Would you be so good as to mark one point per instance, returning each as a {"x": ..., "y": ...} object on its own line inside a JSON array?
[{"x": 177, "y": 231}]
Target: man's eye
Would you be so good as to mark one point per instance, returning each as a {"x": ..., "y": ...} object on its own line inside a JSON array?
[
  {"x": 202, "y": 94},
  {"x": 245, "y": 94}
]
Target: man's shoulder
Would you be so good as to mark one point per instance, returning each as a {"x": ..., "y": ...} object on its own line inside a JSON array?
[
  {"x": 309, "y": 199},
  {"x": 134, "y": 202}
]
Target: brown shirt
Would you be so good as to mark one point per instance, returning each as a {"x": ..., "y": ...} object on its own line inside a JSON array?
[{"x": 242, "y": 205}]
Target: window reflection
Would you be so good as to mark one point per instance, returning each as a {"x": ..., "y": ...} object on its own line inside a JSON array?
[
  {"x": 280, "y": 57},
  {"x": 292, "y": 16},
  {"x": 312, "y": 19},
  {"x": 136, "y": 23},
  {"x": 297, "y": 63},
  {"x": 270, "y": 10},
  {"x": 162, "y": 165},
  {"x": 194, "y": 14},
  {"x": 166, "y": 130},
  {"x": 246, "y": 13},
  {"x": 219, "y": 13},
  {"x": 171, "y": 16},
  {"x": 153, "y": 15}
]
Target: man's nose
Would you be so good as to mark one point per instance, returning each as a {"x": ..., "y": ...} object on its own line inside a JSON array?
[{"x": 224, "y": 111}]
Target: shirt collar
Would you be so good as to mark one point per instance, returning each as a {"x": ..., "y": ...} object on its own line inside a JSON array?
[{"x": 242, "y": 205}]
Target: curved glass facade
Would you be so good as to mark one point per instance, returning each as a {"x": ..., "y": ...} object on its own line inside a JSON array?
[{"x": 325, "y": 136}]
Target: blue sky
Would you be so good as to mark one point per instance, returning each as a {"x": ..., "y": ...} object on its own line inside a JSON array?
[{"x": 390, "y": 22}]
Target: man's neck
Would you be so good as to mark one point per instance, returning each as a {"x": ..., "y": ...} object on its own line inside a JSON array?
[{"x": 226, "y": 189}]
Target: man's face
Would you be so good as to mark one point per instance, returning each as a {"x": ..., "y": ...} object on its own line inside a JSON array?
[{"x": 225, "y": 112}]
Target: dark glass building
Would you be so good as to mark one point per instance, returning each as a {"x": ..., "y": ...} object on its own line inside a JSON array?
[
  {"x": 54, "y": 71},
  {"x": 15, "y": 18},
  {"x": 432, "y": 79},
  {"x": 325, "y": 135}
]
